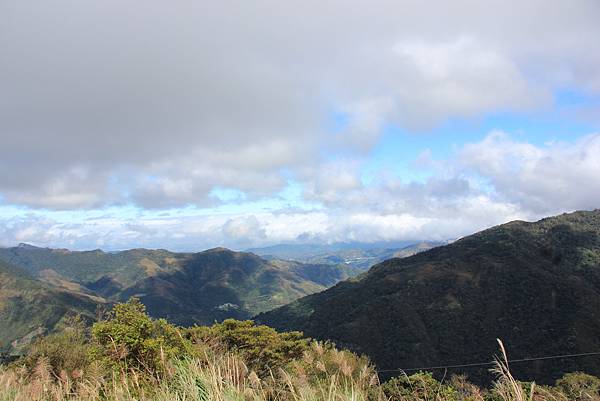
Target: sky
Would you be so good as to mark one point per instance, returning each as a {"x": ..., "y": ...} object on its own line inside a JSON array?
[{"x": 186, "y": 124}]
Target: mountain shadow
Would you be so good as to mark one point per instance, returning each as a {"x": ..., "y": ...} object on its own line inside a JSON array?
[{"x": 536, "y": 286}]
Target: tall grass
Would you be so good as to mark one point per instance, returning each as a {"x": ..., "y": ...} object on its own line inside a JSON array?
[
  {"x": 506, "y": 386},
  {"x": 322, "y": 374}
]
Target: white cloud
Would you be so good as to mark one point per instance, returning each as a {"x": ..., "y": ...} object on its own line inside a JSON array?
[
  {"x": 463, "y": 78},
  {"x": 544, "y": 179},
  {"x": 194, "y": 233},
  {"x": 485, "y": 183},
  {"x": 245, "y": 230},
  {"x": 235, "y": 94}
]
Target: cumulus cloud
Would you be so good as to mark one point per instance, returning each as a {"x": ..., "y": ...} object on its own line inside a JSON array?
[
  {"x": 244, "y": 230},
  {"x": 498, "y": 174},
  {"x": 161, "y": 106},
  {"x": 117, "y": 102},
  {"x": 544, "y": 179},
  {"x": 485, "y": 183}
]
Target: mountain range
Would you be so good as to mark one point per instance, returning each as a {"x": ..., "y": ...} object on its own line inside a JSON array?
[
  {"x": 40, "y": 285},
  {"x": 360, "y": 255},
  {"x": 536, "y": 286}
]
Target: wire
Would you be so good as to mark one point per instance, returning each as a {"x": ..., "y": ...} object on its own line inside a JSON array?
[{"x": 466, "y": 365}]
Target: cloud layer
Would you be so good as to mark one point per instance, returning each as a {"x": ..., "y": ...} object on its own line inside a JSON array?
[
  {"x": 156, "y": 105},
  {"x": 484, "y": 183}
]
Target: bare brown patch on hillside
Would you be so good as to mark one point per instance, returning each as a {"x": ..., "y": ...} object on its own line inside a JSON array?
[{"x": 149, "y": 266}]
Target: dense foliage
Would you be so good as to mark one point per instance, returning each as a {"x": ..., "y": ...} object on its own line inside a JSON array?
[
  {"x": 187, "y": 289},
  {"x": 534, "y": 285},
  {"x": 262, "y": 348},
  {"x": 129, "y": 356},
  {"x": 130, "y": 339},
  {"x": 29, "y": 308}
]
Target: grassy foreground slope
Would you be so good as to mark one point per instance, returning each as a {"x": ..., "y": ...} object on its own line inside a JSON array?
[
  {"x": 127, "y": 356},
  {"x": 534, "y": 285}
]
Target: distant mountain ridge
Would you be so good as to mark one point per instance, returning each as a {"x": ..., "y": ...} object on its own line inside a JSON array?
[
  {"x": 187, "y": 288},
  {"x": 361, "y": 255},
  {"x": 534, "y": 285},
  {"x": 218, "y": 283}
]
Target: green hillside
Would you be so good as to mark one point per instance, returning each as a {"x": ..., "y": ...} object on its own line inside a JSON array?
[
  {"x": 536, "y": 286},
  {"x": 219, "y": 283},
  {"x": 187, "y": 288},
  {"x": 29, "y": 308},
  {"x": 126, "y": 267}
]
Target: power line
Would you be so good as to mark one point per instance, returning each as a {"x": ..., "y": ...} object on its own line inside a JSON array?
[{"x": 466, "y": 365}]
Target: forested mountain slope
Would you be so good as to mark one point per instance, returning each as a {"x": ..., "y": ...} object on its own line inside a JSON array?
[
  {"x": 536, "y": 286},
  {"x": 186, "y": 288},
  {"x": 29, "y": 308}
]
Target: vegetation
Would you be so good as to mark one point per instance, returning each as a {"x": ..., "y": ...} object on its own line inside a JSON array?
[
  {"x": 535, "y": 285},
  {"x": 218, "y": 284},
  {"x": 51, "y": 284},
  {"x": 129, "y": 356},
  {"x": 29, "y": 308},
  {"x": 262, "y": 348}
]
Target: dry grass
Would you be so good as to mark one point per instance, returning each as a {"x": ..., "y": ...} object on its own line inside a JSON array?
[
  {"x": 323, "y": 374},
  {"x": 506, "y": 386},
  {"x": 212, "y": 378},
  {"x": 509, "y": 389}
]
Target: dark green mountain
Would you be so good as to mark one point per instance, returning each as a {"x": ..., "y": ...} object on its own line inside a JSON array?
[
  {"x": 186, "y": 288},
  {"x": 536, "y": 286},
  {"x": 29, "y": 308}
]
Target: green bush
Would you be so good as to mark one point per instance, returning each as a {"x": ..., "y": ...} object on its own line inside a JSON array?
[
  {"x": 263, "y": 348},
  {"x": 579, "y": 386},
  {"x": 130, "y": 339},
  {"x": 421, "y": 386}
]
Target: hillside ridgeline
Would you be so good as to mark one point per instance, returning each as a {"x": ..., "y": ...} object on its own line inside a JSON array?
[
  {"x": 534, "y": 285},
  {"x": 186, "y": 288}
]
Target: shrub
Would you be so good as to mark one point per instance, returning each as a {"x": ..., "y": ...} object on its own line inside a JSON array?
[
  {"x": 579, "y": 386},
  {"x": 263, "y": 348},
  {"x": 421, "y": 386},
  {"x": 465, "y": 390},
  {"x": 130, "y": 339}
]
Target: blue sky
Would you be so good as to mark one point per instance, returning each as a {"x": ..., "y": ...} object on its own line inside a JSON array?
[{"x": 187, "y": 127}]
